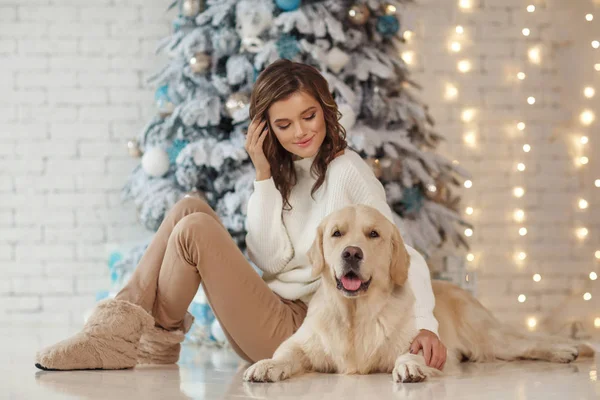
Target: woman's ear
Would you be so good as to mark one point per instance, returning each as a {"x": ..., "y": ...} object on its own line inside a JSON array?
[
  {"x": 400, "y": 260},
  {"x": 315, "y": 253}
]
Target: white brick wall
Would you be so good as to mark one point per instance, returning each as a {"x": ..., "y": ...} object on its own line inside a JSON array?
[
  {"x": 71, "y": 78},
  {"x": 72, "y": 81}
]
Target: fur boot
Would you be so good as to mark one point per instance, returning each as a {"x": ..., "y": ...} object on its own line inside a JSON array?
[
  {"x": 159, "y": 346},
  {"x": 108, "y": 340}
]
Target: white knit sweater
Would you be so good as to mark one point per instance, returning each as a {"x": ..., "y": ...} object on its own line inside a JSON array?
[{"x": 277, "y": 239}]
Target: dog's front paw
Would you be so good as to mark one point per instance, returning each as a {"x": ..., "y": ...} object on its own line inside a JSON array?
[
  {"x": 408, "y": 372},
  {"x": 563, "y": 353},
  {"x": 267, "y": 371}
]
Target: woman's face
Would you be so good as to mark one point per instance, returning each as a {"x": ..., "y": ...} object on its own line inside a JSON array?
[{"x": 297, "y": 119}]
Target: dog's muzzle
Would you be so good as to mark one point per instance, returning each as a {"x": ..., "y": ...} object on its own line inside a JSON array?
[{"x": 351, "y": 282}]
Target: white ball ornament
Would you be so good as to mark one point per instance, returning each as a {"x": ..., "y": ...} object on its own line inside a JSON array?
[
  {"x": 155, "y": 162},
  {"x": 337, "y": 59},
  {"x": 348, "y": 118}
]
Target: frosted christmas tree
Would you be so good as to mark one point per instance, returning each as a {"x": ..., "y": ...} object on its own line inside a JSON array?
[{"x": 195, "y": 144}]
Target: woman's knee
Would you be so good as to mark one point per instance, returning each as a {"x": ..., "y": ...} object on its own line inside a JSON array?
[
  {"x": 192, "y": 225},
  {"x": 188, "y": 205}
]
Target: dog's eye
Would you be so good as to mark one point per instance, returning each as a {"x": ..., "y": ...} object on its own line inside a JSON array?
[
  {"x": 374, "y": 234},
  {"x": 336, "y": 233}
]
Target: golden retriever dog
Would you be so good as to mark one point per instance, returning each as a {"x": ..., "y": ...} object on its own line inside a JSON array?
[{"x": 361, "y": 318}]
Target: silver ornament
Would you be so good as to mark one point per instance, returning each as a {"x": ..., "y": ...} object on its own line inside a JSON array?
[
  {"x": 133, "y": 147},
  {"x": 200, "y": 62},
  {"x": 359, "y": 14},
  {"x": 236, "y": 102},
  {"x": 191, "y": 8}
]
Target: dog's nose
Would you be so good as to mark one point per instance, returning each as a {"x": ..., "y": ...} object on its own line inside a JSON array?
[{"x": 352, "y": 254}]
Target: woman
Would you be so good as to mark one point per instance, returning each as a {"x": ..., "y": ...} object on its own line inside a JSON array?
[{"x": 303, "y": 172}]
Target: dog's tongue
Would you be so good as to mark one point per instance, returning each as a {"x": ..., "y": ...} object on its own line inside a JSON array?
[{"x": 351, "y": 282}]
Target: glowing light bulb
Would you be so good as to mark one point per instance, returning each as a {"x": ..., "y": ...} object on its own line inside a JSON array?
[
  {"x": 451, "y": 92},
  {"x": 531, "y": 322},
  {"x": 518, "y": 191},
  {"x": 593, "y": 276},
  {"x": 597, "y": 254},
  {"x": 526, "y": 148},
  {"x": 468, "y": 115},
  {"x": 531, "y": 100},
  {"x": 470, "y": 257},
  {"x": 519, "y": 215},
  {"x": 522, "y": 255},
  {"x": 589, "y": 92},
  {"x": 534, "y": 55},
  {"x": 521, "y": 167},
  {"x": 468, "y": 184},
  {"x": 583, "y": 160},
  {"x": 589, "y": 17},
  {"x": 587, "y": 296},
  {"x": 582, "y": 233},
  {"x": 465, "y": 4},
  {"x": 408, "y": 57},
  {"x": 408, "y": 34},
  {"x": 460, "y": 30},
  {"x": 464, "y": 66},
  {"x": 468, "y": 232},
  {"x": 390, "y": 9},
  {"x": 469, "y": 210},
  {"x": 455, "y": 47},
  {"x": 597, "y": 322},
  {"x": 523, "y": 231},
  {"x": 526, "y": 32},
  {"x": 584, "y": 140},
  {"x": 537, "y": 277},
  {"x": 583, "y": 204},
  {"x": 597, "y": 67},
  {"x": 530, "y": 8},
  {"x": 521, "y": 126},
  {"x": 521, "y": 75},
  {"x": 595, "y": 44},
  {"x": 597, "y": 183},
  {"x": 587, "y": 117},
  {"x": 522, "y": 298}
]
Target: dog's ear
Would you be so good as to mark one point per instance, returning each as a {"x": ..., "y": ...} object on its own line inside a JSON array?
[
  {"x": 315, "y": 253},
  {"x": 400, "y": 259}
]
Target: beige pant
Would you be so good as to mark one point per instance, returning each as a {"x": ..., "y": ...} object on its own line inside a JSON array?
[{"x": 191, "y": 247}]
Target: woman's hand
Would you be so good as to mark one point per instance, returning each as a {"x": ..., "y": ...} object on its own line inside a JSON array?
[
  {"x": 257, "y": 132},
  {"x": 434, "y": 350}
]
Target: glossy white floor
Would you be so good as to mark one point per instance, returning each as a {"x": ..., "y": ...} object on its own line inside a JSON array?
[{"x": 216, "y": 374}]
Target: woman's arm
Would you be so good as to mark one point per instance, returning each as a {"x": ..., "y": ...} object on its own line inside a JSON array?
[{"x": 267, "y": 240}]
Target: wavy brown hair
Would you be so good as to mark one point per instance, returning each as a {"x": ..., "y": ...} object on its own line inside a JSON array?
[{"x": 278, "y": 81}]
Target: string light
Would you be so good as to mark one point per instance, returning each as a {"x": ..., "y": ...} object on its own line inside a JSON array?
[
  {"x": 455, "y": 47},
  {"x": 518, "y": 191},
  {"x": 530, "y": 8},
  {"x": 521, "y": 167},
  {"x": 521, "y": 126},
  {"x": 408, "y": 34},
  {"x": 522, "y": 255},
  {"x": 582, "y": 233},
  {"x": 587, "y": 296},
  {"x": 587, "y": 117},
  {"x": 408, "y": 57},
  {"x": 583, "y": 204},
  {"x": 531, "y": 100},
  {"x": 465, "y": 4},
  {"x": 526, "y": 148},
  {"x": 523, "y": 231},
  {"x": 597, "y": 183},
  {"x": 468, "y": 232},
  {"x": 595, "y": 44},
  {"x": 597, "y": 322},
  {"x": 522, "y": 298},
  {"x": 521, "y": 75},
  {"x": 468, "y": 115},
  {"x": 451, "y": 92},
  {"x": 531, "y": 323},
  {"x": 460, "y": 30},
  {"x": 597, "y": 254},
  {"x": 470, "y": 138},
  {"x": 464, "y": 66},
  {"x": 470, "y": 257},
  {"x": 589, "y": 17},
  {"x": 519, "y": 215},
  {"x": 526, "y": 32},
  {"x": 593, "y": 276},
  {"x": 589, "y": 92},
  {"x": 469, "y": 210},
  {"x": 584, "y": 140},
  {"x": 468, "y": 184},
  {"x": 597, "y": 67},
  {"x": 537, "y": 277},
  {"x": 583, "y": 160},
  {"x": 534, "y": 55}
]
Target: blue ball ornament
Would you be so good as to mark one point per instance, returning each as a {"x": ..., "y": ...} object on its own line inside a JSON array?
[
  {"x": 412, "y": 200},
  {"x": 288, "y": 5},
  {"x": 388, "y": 25},
  {"x": 287, "y": 46}
]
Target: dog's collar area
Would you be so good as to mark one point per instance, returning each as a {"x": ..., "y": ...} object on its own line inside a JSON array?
[{"x": 362, "y": 288}]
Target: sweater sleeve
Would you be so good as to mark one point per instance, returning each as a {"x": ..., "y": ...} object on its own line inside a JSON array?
[
  {"x": 365, "y": 188},
  {"x": 267, "y": 240}
]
